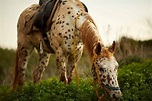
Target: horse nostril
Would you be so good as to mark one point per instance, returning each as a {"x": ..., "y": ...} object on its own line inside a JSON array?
[{"x": 114, "y": 96}]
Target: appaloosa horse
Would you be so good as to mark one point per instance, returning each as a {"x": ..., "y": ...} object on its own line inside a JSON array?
[{"x": 72, "y": 30}]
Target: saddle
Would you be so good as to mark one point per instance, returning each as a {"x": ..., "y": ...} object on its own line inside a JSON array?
[
  {"x": 48, "y": 8},
  {"x": 38, "y": 15},
  {"x": 44, "y": 14}
]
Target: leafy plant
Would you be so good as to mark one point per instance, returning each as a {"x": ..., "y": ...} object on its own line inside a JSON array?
[
  {"x": 53, "y": 90},
  {"x": 135, "y": 81}
]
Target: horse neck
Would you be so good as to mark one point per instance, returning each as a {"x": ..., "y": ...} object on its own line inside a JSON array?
[{"x": 90, "y": 36}]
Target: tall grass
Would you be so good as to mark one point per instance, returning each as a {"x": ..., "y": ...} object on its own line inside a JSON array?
[{"x": 129, "y": 50}]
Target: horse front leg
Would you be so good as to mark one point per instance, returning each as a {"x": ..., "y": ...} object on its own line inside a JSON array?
[
  {"x": 41, "y": 66},
  {"x": 61, "y": 65},
  {"x": 71, "y": 65},
  {"x": 70, "y": 68}
]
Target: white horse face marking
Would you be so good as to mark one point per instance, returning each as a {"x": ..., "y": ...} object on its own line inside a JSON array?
[{"x": 108, "y": 75}]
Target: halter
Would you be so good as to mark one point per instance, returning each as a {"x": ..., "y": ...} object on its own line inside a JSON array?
[{"x": 102, "y": 85}]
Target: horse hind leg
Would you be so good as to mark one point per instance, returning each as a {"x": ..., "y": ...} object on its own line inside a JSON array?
[
  {"x": 22, "y": 56},
  {"x": 41, "y": 66}
]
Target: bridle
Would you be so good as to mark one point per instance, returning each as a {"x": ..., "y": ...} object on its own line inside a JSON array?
[{"x": 102, "y": 85}]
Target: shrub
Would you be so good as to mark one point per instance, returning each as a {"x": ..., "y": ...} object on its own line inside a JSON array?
[
  {"x": 135, "y": 81},
  {"x": 53, "y": 90}
]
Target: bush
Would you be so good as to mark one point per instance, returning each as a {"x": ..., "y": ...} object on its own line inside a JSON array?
[
  {"x": 53, "y": 90},
  {"x": 135, "y": 81}
]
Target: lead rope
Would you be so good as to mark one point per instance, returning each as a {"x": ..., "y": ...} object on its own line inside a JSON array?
[
  {"x": 98, "y": 79},
  {"x": 75, "y": 32}
]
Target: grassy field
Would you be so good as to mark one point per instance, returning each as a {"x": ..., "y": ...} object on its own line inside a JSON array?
[{"x": 135, "y": 76}]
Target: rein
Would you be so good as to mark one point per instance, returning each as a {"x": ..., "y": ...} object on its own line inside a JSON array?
[
  {"x": 75, "y": 32},
  {"x": 102, "y": 85}
]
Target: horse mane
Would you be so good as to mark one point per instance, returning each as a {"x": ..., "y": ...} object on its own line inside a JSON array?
[{"x": 90, "y": 34}]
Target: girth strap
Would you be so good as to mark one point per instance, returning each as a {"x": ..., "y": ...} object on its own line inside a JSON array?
[{"x": 46, "y": 40}]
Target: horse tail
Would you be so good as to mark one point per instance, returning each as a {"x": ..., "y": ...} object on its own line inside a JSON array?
[{"x": 15, "y": 82}]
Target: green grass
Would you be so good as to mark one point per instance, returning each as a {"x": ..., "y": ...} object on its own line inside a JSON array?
[
  {"x": 53, "y": 90},
  {"x": 135, "y": 81}
]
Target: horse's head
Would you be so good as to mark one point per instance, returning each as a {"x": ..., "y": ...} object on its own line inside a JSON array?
[{"x": 105, "y": 68}]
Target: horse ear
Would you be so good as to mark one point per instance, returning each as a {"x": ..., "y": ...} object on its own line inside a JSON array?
[
  {"x": 98, "y": 49},
  {"x": 112, "y": 47}
]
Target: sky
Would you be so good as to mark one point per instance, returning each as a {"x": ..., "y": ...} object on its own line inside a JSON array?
[{"x": 114, "y": 19}]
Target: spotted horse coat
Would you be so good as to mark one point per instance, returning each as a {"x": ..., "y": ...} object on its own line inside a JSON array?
[{"x": 72, "y": 30}]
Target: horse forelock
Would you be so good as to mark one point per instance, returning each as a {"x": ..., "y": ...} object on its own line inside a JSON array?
[{"x": 106, "y": 53}]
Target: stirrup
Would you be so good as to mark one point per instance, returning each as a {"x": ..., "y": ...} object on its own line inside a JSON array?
[{"x": 41, "y": 48}]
